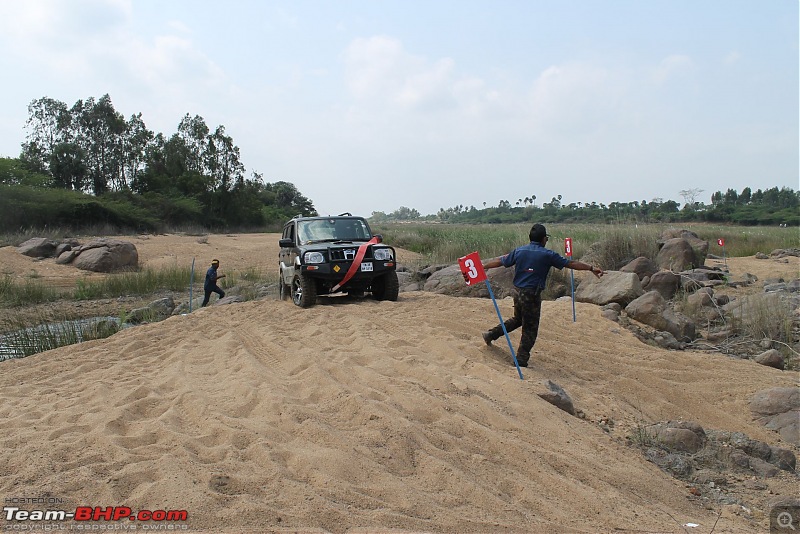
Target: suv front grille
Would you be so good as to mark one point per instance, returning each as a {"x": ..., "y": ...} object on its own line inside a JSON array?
[{"x": 347, "y": 254}]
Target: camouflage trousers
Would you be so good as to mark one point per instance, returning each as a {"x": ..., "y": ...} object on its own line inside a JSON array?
[{"x": 527, "y": 312}]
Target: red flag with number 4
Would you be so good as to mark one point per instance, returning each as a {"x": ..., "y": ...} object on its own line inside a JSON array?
[
  {"x": 472, "y": 268},
  {"x": 721, "y": 242}
]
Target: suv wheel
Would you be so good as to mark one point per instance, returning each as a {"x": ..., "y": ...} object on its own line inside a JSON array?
[
  {"x": 304, "y": 290},
  {"x": 387, "y": 287}
]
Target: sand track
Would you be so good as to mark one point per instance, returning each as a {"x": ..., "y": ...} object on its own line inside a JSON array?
[{"x": 370, "y": 416}]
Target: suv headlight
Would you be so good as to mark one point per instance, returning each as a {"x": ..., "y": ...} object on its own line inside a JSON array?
[
  {"x": 382, "y": 254},
  {"x": 313, "y": 257}
]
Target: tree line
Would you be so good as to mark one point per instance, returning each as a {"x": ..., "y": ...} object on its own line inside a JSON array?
[
  {"x": 90, "y": 155},
  {"x": 751, "y": 208}
]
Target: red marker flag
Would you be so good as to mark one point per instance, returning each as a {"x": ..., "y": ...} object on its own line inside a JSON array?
[
  {"x": 721, "y": 242},
  {"x": 472, "y": 268},
  {"x": 568, "y": 247}
]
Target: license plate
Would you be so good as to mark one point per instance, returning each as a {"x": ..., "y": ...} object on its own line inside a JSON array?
[{"x": 366, "y": 266}]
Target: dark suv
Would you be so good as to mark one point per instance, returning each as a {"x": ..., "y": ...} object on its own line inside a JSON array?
[{"x": 326, "y": 255}]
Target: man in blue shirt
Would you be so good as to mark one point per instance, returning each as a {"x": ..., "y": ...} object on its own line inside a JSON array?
[
  {"x": 210, "y": 285},
  {"x": 533, "y": 262}
]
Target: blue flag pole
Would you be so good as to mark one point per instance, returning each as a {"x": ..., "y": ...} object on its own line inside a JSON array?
[
  {"x": 572, "y": 274},
  {"x": 503, "y": 324},
  {"x": 191, "y": 285}
]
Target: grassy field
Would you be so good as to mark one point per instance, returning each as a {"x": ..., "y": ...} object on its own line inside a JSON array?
[
  {"x": 445, "y": 243},
  {"x": 609, "y": 246}
]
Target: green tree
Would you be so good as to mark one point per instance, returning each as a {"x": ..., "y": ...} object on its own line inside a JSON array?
[
  {"x": 68, "y": 167},
  {"x": 98, "y": 129},
  {"x": 46, "y": 125},
  {"x": 194, "y": 133},
  {"x": 134, "y": 145}
]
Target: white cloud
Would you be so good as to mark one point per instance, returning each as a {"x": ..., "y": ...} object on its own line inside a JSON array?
[
  {"x": 670, "y": 67},
  {"x": 732, "y": 58},
  {"x": 575, "y": 98},
  {"x": 380, "y": 72},
  {"x": 90, "y": 48}
]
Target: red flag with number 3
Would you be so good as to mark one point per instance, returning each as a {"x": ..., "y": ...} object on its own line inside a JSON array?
[
  {"x": 472, "y": 268},
  {"x": 568, "y": 247},
  {"x": 721, "y": 242}
]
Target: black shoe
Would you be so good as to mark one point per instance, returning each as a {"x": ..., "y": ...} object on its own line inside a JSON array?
[
  {"x": 487, "y": 338},
  {"x": 522, "y": 360}
]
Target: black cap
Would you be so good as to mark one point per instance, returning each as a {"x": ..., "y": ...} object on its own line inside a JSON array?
[{"x": 538, "y": 233}]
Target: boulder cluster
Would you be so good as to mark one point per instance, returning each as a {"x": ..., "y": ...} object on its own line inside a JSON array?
[
  {"x": 672, "y": 301},
  {"x": 99, "y": 255}
]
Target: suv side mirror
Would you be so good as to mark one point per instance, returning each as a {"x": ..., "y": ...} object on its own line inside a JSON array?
[{"x": 285, "y": 243}]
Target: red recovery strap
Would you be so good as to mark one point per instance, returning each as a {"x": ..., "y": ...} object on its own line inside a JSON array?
[{"x": 362, "y": 249}]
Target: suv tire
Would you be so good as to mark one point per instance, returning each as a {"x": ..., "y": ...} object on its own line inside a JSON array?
[
  {"x": 387, "y": 287},
  {"x": 304, "y": 290}
]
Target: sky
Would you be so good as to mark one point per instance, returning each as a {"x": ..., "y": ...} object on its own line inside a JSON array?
[{"x": 373, "y": 105}]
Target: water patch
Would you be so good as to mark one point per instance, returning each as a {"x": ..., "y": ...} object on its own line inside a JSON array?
[{"x": 40, "y": 338}]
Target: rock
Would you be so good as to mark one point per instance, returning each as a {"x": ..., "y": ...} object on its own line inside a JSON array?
[
  {"x": 707, "y": 476},
  {"x": 450, "y": 281},
  {"x": 785, "y": 252},
  {"x": 700, "y": 298},
  {"x": 614, "y": 286},
  {"x": 762, "y": 468},
  {"x": 404, "y": 278},
  {"x": 38, "y": 247},
  {"x": 771, "y": 358},
  {"x": 700, "y": 246},
  {"x": 720, "y": 335},
  {"x": 642, "y": 266},
  {"x": 141, "y": 315},
  {"x": 665, "y": 282},
  {"x": 739, "y": 459},
  {"x": 783, "y": 458},
  {"x": 229, "y": 299},
  {"x": 761, "y": 256},
  {"x": 665, "y": 340},
  {"x": 651, "y": 309},
  {"x": 555, "y": 395},
  {"x": 103, "y": 255},
  {"x": 682, "y": 436},
  {"x": 676, "y": 255},
  {"x": 163, "y": 307},
  {"x": 774, "y": 288},
  {"x": 694, "y": 279},
  {"x": 62, "y": 248},
  {"x": 678, "y": 465},
  {"x": 611, "y": 315},
  {"x": 412, "y": 286},
  {"x": 750, "y": 447},
  {"x": 779, "y": 409}
]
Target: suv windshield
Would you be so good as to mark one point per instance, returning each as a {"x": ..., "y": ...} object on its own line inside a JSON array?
[{"x": 332, "y": 230}]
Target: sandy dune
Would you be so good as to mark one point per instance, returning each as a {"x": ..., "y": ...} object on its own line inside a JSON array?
[{"x": 364, "y": 416}]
